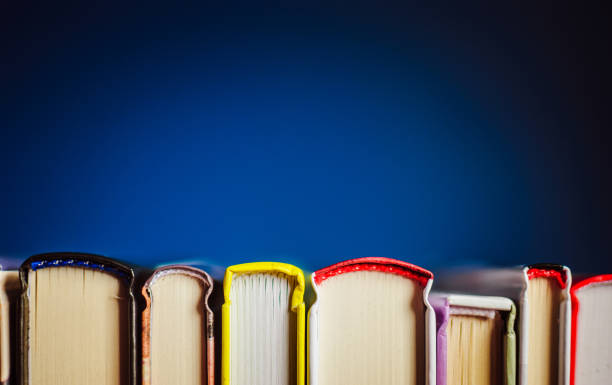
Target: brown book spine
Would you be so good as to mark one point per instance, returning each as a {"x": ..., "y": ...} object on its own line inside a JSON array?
[{"x": 209, "y": 327}]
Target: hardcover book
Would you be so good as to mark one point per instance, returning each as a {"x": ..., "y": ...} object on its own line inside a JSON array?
[
  {"x": 371, "y": 323},
  {"x": 77, "y": 321},
  {"x": 263, "y": 324},
  {"x": 177, "y": 327}
]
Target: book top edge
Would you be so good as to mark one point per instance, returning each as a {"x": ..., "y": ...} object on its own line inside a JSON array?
[{"x": 386, "y": 265}]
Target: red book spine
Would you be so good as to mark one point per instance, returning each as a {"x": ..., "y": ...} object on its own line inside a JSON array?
[{"x": 558, "y": 275}]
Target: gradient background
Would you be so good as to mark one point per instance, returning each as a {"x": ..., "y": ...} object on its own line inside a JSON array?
[{"x": 452, "y": 134}]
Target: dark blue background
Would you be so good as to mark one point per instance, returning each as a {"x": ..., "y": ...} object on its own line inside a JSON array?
[{"x": 437, "y": 134}]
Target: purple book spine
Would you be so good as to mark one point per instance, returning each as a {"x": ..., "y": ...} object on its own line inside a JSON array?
[{"x": 440, "y": 305}]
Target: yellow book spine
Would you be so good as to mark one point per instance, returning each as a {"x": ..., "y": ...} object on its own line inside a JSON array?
[{"x": 297, "y": 306}]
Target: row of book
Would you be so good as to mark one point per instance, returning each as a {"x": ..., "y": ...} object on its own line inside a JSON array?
[{"x": 80, "y": 319}]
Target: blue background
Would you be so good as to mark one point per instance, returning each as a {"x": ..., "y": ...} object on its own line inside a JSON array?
[{"x": 442, "y": 135}]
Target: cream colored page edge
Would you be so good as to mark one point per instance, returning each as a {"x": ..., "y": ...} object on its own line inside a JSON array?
[{"x": 430, "y": 336}]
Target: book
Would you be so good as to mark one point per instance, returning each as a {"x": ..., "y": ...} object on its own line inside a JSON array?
[
  {"x": 263, "y": 330},
  {"x": 475, "y": 342},
  {"x": 177, "y": 327},
  {"x": 591, "y": 355},
  {"x": 9, "y": 295},
  {"x": 371, "y": 323},
  {"x": 77, "y": 321},
  {"x": 544, "y": 308}
]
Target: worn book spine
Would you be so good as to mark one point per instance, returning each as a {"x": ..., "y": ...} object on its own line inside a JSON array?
[
  {"x": 146, "y": 319},
  {"x": 88, "y": 261}
]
